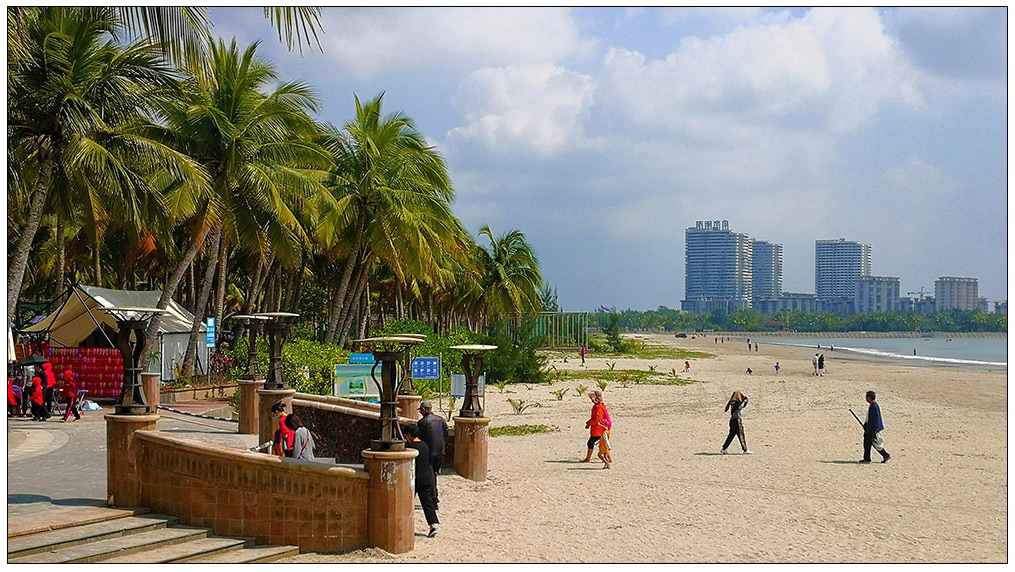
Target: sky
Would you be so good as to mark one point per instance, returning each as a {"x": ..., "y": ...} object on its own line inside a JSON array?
[{"x": 603, "y": 133}]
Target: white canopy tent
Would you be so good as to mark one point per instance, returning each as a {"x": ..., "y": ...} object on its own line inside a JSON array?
[{"x": 82, "y": 314}]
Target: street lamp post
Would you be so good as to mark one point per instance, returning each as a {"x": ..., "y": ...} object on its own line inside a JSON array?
[
  {"x": 472, "y": 366},
  {"x": 132, "y": 320},
  {"x": 277, "y": 327},
  {"x": 389, "y": 353}
]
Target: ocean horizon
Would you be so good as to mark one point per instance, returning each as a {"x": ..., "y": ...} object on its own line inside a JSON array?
[{"x": 928, "y": 351}]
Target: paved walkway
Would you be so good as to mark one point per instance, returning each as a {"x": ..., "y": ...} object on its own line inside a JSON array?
[{"x": 54, "y": 466}]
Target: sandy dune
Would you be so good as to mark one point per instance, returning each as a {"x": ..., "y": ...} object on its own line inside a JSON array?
[{"x": 802, "y": 497}]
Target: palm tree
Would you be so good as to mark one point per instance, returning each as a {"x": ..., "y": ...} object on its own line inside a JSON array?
[
  {"x": 511, "y": 277},
  {"x": 78, "y": 109},
  {"x": 389, "y": 184},
  {"x": 264, "y": 167}
]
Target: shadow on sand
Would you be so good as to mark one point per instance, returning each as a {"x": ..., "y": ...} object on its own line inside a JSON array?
[{"x": 30, "y": 499}]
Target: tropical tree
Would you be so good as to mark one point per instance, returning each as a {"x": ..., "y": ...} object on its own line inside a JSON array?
[
  {"x": 264, "y": 167},
  {"x": 78, "y": 110},
  {"x": 511, "y": 278},
  {"x": 391, "y": 194}
]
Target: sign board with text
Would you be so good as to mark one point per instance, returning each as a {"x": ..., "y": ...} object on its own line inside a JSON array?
[
  {"x": 458, "y": 384},
  {"x": 353, "y": 380},
  {"x": 426, "y": 368}
]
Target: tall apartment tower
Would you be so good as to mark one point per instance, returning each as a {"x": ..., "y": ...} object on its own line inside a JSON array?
[
  {"x": 766, "y": 271},
  {"x": 838, "y": 264},
  {"x": 717, "y": 268},
  {"x": 877, "y": 294},
  {"x": 952, "y": 292}
]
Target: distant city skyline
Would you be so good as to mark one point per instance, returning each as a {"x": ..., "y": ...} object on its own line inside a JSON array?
[{"x": 602, "y": 133}]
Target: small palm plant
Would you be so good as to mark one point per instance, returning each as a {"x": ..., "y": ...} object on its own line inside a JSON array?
[
  {"x": 580, "y": 390},
  {"x": 652, "y": 368},
  {"x": 611, "y": 365},
  {"x": 559, "y": 394},
  {"x": 624, "y": 381},
  {"x": 602, "y": 384},
  {"x": 501, "y": 385},
  {"x": 521, "y": 405}
]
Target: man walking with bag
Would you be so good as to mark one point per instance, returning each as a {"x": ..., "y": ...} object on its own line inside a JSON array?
[
  {"x": 433, "y": 430},
  {"x": 871, "y": 427}
]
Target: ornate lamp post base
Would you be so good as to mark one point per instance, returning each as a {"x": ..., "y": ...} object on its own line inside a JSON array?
[
  {"x": 390, "y": 353},
  {"x": 472, "y": 365}
]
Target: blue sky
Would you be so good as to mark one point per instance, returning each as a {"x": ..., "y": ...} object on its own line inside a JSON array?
[{"x": 603, "y": 133}]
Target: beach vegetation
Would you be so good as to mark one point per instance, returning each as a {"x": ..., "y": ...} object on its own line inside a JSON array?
[
  {"x": 517, "y": 430},
  {"x": 520, "y": 405},
  {"x": 560, "y": 393},
  {"x": 580, "y": 390},
  {"x": 602, "y": 383}
]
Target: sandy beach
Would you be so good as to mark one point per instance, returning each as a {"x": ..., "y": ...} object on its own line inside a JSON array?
[{"x": 671, "y": 497}]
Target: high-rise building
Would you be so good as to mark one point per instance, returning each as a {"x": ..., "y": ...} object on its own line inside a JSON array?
[
  {"x": 717, "y": 268},
  {"x": 837, "y": 266},
  {"x": 953, "y": 292},
  {"x": 766, "y": 271},
  {"x": 877, "y": 294}
]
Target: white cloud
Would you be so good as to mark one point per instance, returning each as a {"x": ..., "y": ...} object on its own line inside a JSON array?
[
  {"x": 531, "y": 107},
  {"x": 367, "y": 41}
]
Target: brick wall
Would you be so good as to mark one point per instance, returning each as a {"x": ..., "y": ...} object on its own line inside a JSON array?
[
  {"x": 342, "y": 428},
  {"x": 317, "y": 507}
]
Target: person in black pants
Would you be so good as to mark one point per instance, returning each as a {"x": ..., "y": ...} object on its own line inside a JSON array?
[
  {"x": 424, "y": 477},
  {"x": 736, "y": 406},
  {"x": 871, "y": 427},
  {"x": 433, "y": 430}
]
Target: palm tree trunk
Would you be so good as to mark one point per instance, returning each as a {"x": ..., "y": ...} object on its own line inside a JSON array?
[
  {"x": 350, "y": 264},
  {"x": 19, "y": 262},
  {"x": 220, "y": 293},
  {"x": 97, "y": 259},
  {"x": 61, "y": 256},
  {"x": 293, "y": 299},
  {"x": 364, "y": 311},
  {"x": 171, "y": 285},
  {"x": 202, "y": 300},
  {"x": 191, "y": 285},
  {"x": 354, "y": 303}
]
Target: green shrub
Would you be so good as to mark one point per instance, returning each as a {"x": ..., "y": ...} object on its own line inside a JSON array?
[{"x": 515, "y": 360}]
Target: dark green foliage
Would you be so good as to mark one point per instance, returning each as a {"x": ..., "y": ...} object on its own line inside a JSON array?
[
  {"x": 611, "y": 328},
  {"x": 515, "y": 360},
  {"x": 451, "y": 360}
]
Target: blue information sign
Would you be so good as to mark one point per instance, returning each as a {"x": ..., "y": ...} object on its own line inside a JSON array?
[
  {"x": 361, "y": 358},
  {"x": 209, "y": 332},
  {"x": 426, "y": 368}
]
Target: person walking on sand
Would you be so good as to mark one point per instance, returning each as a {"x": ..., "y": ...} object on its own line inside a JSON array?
[
  {"x": 583, "y": 354},
  {"x": 604, "y": 441},
  {"x": 777, "y": 368},
  {"x": 424, "y": 477},
  {"x": 735, "y": 406},
  {"x": 871, "y": 427},
  {"x": 433, "y": 430},
  {"x": 687, "y": 366},
  {"x": 821, "y": 365},
  {"x": 593, "y": 425},
  {"x": 814, "y": 362}
]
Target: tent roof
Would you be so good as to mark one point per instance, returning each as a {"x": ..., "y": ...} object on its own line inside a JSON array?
[{"x": 73, "y": 321}]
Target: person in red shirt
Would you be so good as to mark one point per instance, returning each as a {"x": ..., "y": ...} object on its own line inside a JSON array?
[
  {"x": 593, "y": 425},
  {"x": 38, "y": 401},
  {"x": 49, "y": 393},
  {"x": 284, "y": 435},
  {"x": 12, "y": 399},
  {"x": 70, "y": 389}
]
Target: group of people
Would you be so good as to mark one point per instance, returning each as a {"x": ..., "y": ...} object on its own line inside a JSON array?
[
  {"x": 818, "y": 361},
  {"x": 427, "y": 436},
  {"x": 872, "y": 427},
  {"x": 599, "y": 426},
  {"x": 38, "y": 398}
]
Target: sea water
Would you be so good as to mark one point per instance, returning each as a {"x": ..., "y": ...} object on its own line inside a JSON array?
[{"x": 977, "y": 352}]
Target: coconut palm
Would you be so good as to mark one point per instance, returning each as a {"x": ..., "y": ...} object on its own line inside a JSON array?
[
  {"x": 392, "y": 193},
  {"x": 78, "y": 110},
  {"x": 511, "y": 279},
  {"x": 257, "y": 147}
]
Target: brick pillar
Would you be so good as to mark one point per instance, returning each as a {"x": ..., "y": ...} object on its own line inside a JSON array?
[
  {"x": 409, "y": 405},
  {"x": 248, "y": 406},
  {"x": 123, "y": 484},
  {"x": 471, "y": 435},
  {"x": 266, "y": 423},
  {"x": 390, "y": 499},
  {"x": 152, "y": 390}
]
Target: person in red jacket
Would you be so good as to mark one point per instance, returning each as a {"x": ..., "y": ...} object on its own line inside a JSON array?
[
  {"x": 49, "y": 393},
  {"x": 12, "y": 399},
  {"x": 71, "y": 393},
  {"x": 284, "y": 436},
  {"x": 38, "y": 401},
  {"x": 593, "y": 425}
]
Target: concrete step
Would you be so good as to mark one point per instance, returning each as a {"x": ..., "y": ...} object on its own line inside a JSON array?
[
  {"x": 251, "y": 555},
  {"x": 57, "y": 519},
  {"x": 184, "y": 551},
  {"x": 104, "y": 549},
  {"x": 76, "y": 535}
]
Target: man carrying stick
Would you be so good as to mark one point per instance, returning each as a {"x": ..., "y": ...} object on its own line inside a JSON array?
[{"x": 871, "y": 427}]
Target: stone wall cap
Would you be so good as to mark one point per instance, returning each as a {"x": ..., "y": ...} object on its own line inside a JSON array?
[
  {"x": 390, "y": 455},
  {"x": 277, "y": 391},
  {"x": 476, "y": 420},
  {"x": 147, "y": 418}
]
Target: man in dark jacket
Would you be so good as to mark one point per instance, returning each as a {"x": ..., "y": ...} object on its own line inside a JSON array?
[
  {"x": 433, "y": 430},
  {"x": 425, "y": 479},
  {"x": 871, "y": 428}
]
